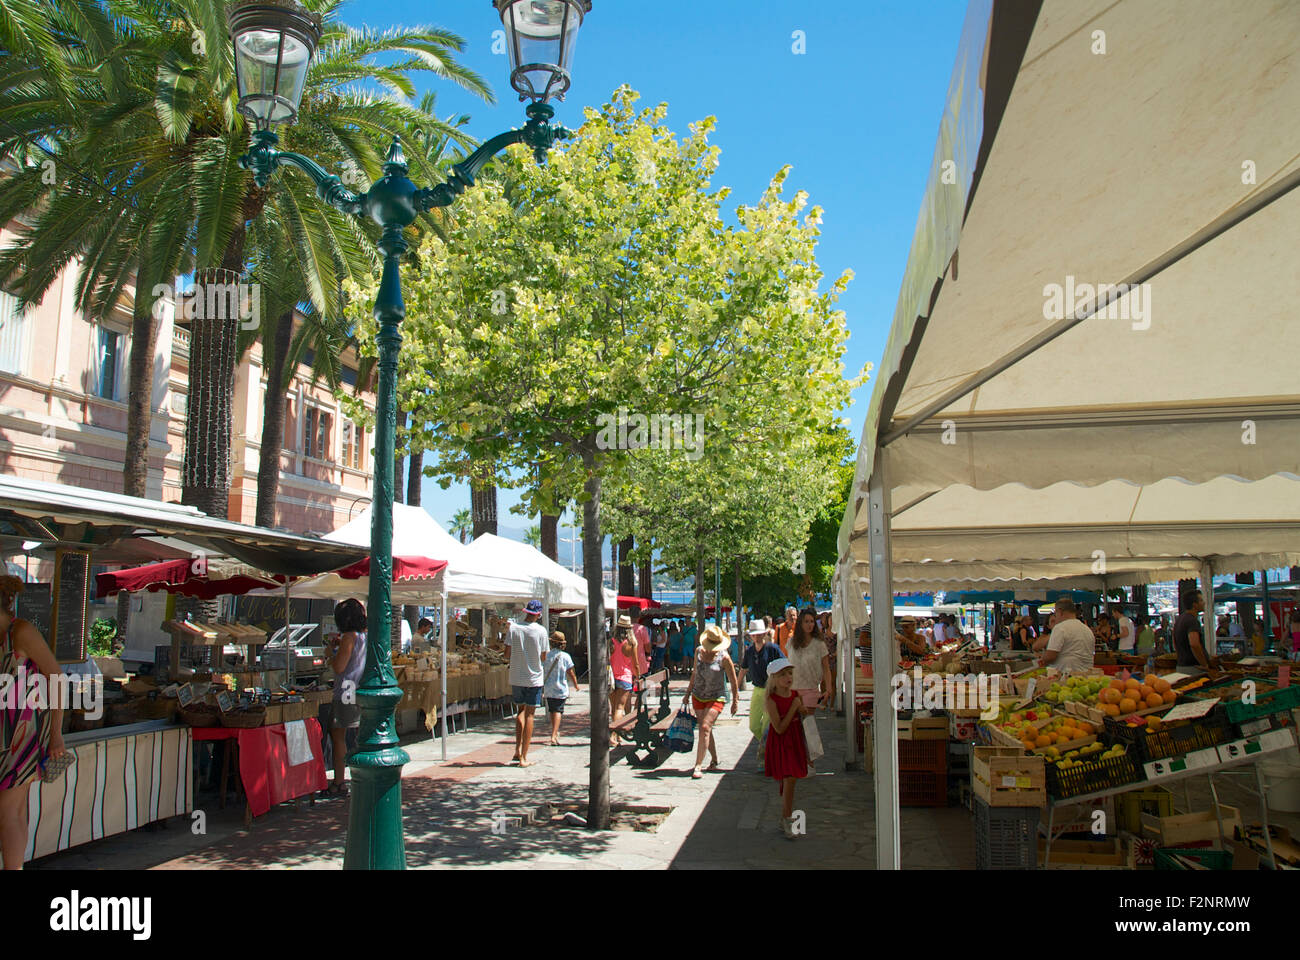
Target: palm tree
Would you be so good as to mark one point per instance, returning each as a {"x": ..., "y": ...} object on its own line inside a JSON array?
[
  {"x": 461, "y": 525},
  {"x": 533, "y": 535},
  {"x": 168, "y": 141}
]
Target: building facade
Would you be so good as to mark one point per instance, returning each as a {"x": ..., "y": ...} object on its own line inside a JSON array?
[{"x": 63, "y": 412}]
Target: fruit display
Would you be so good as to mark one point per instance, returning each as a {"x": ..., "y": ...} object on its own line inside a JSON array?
[
  {"x": 1093, "y": 751},
  {"x": 1120, "y": 696},
  {"x": 1075, "y": 690},
  {"x": 1040, "y": 731}
]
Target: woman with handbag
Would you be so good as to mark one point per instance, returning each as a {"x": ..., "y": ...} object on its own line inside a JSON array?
[
  {"x": 707, "y": 693},
  {"x": 626, "y": 664},
  {"x": 31, "y": 738}
]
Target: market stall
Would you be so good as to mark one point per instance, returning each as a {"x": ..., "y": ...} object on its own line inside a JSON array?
[{"x": 133, "y": 761}]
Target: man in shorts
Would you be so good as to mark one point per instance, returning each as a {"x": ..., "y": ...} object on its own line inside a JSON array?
[{"x": 527, "y": 646}]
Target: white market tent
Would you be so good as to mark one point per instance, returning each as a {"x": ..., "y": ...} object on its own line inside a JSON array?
[
  {"x": 468, "y": 578},
  {"x": 1033, "y": 409},
  {"x": 562, "y": 587}
]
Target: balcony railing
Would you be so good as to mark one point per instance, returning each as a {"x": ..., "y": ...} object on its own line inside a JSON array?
[{"x": 180, "y": 342}]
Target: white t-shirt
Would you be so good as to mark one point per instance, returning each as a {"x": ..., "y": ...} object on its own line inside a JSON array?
[
  {"x": 528, "y": 642},
  {"x": 808, "y": 664},
  {"x": 940, "y": 634},
  {"x": 1126, "y": 625},
  {"x": 1074, "y": 645}
]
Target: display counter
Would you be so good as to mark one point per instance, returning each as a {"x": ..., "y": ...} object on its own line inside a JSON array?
[{"x": 124, "y": 778}]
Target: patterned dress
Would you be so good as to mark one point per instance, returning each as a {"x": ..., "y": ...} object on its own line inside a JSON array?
[{"x": 24, "y": 731}]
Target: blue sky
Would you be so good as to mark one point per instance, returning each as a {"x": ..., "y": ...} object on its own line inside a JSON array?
[{"x": 856, "y": 114}]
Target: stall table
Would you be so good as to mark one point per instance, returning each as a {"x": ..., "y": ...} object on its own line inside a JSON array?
[{"x": 263, "y": 764}]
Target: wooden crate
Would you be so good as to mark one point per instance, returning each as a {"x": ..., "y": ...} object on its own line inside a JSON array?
[
  {"x": 923, "y": 728},
  {"x": 1006, "y": 777},
  {"x": 1184, "y": 828},
  {"x": 1084, "y": 853}
]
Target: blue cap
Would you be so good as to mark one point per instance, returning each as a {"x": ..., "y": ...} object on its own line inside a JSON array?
[{"x": 533, "y": 608}]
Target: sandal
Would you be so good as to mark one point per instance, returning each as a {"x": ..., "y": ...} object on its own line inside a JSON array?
[
  {"x": 695, "y": 774},
  {"x": 713, "y": 766}
]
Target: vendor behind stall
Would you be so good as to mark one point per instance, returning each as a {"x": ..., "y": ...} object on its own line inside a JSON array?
[
  {"x": 347, "y": 653},
  {"x": 1070, "y": 645},
  {"x": 910, "y": 643},
  {"x": 1188, "y": 638}
]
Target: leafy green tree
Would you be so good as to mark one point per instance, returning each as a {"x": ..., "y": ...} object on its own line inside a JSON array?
[
  {"x": 533, "y": 535},
  {"x": 607, "y": 282}
]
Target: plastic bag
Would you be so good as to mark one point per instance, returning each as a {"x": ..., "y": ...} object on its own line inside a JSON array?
[{"x": 812, "y": 738}]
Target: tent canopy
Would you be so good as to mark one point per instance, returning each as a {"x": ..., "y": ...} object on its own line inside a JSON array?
[{"x": 559, "y": 585}]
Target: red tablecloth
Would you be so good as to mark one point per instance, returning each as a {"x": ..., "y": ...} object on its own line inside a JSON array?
[{"x": 264, "y": 763}]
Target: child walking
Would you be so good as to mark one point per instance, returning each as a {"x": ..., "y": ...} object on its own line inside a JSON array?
[{"x": 787, "y": 754}]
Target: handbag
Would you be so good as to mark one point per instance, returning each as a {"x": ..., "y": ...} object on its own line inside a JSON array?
[
  {"x": 812, "y": 738},
  {"x": 681, "y": 733},
  {"x": 57, "y": 767}
]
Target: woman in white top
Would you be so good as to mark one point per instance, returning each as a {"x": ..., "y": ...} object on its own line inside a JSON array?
[{"x": 812, "y": 662}]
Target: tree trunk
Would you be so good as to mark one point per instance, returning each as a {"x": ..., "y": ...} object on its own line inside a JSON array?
[
  {"x": 699, "y": 594},
  {"x": 597, "y": 654},
  {"x": 414, "y": 478},
  {"x": 411, "y": 612},
  {"x": 1246, "y": 608},
  {"x": 268, "y": 466},
  {"x": 483, "y": 506},
  {"x": 551, "y": 536},
  {"x": 139, "y": 401},
  {"x": 205, "y": 474},
  {"x": 626, "y": 584},
  {"x": 399, "y": 465},
  {"x": 740, "y": 628},
  {"x": 647, "y": 580}
]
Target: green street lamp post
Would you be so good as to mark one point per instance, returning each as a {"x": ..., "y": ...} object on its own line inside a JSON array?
[{"x": 274, "y": 41}]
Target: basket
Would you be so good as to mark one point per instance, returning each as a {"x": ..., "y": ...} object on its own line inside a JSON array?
[
  {"x": 923, "y": 756},
  {"x": 1104, "y": 773},
  {"x": 199, "y": 715},
  {"x": 244, "y": 718},
  {"x": 160, "y": 708},
  {"x": 1171, "y": 858},
  {"x": 1006, "y": 838},
  {"x": 119, "y": 714},
  {"x": 918, "y": 788},
  {"x": 1207, "y": 731}
]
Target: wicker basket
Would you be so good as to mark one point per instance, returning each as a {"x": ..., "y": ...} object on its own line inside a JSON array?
[
  {"x": 120, "y": 714},
  {"x": 200, "y": 715},
  {"x": 161, "y": 708},
  {"x": 245, "y": 718}
]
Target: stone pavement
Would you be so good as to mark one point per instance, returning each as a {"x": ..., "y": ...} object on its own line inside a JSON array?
[{"x": 729, "y": 819}]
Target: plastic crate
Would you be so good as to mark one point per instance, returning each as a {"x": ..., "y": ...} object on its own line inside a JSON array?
[
  {"x": 1006, "y": 838},
  {"x": 1208, "y": 859},
  {"x": 918, "y": 788},
  {"x": 1130, "y": 806},
  {"x": 1275, "y": 701},
  {"x": 1104, "y": 773},
  {"x": 1208, "y": 731},
  {"x": 924, "y": 756}
]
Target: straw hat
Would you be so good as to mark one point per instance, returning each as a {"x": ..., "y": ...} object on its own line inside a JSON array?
[
  {"x": 713, "y": 638},
  {"x": 756, "y": 626},
  {"x": 624, "y": 621}
]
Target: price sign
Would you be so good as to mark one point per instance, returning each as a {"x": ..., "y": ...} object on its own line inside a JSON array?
[
  {"x": 68, "y": 615},
  {"x": 223, "y": 701},
  {"x": 185, "y": 695}
]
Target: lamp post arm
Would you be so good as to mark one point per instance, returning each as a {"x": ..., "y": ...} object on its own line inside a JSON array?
[
  {"x": 263, "y": 159},
  {"x": 537, "y": 133}
]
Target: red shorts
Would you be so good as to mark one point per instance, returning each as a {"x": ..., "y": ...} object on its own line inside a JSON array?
[{"x": 703, "y": 706}]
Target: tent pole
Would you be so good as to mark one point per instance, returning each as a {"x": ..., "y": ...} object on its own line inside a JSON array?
[
  {"x": 848, "y": 676},
  {"x": 1211, "y": 642},
  {"x": 289, "y": 652},
  {"x": 884, "y": 659},
  {"x": 442, "y": 675}
]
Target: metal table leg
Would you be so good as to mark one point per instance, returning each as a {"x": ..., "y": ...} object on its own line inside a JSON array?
[
  {"x": 1051, "y": 817},
  {"x": 1218, "y": 814},
  {"x": 1263, "y": 814}
]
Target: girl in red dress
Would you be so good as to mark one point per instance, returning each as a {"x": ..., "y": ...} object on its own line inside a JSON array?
[{"x": 787, "y": 753}]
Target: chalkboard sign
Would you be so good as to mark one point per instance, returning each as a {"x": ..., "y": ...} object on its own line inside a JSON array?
[
  {"x": 71, "y": 592},
  {"x": 33, "y": 605}
]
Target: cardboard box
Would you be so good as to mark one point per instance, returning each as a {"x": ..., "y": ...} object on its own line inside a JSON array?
[
  {"x": 1005, "y": 777},
  {"x": 962, "y": 728},
  {"x": 1185, "y": 828}
]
